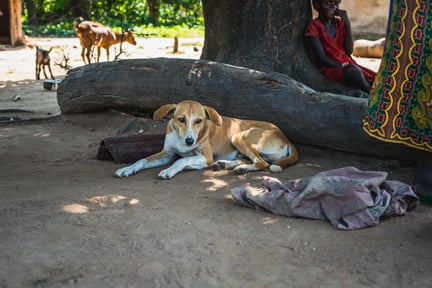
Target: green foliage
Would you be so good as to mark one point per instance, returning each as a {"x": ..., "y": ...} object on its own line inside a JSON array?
[
  {"x": 169, "y": 32},
  {"x": 181, "y": 12},
  {"x": 61, "y": 29},
  {"x": 182, "y": 18}
]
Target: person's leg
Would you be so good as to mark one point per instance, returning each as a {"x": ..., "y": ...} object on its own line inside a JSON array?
[
  {"x": 353, "y": 76},
  {"x": 423, "y": 177}
]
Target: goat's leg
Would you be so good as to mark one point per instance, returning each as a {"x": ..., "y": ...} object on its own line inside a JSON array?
[
  {"x": 91, "y": 53},
  {"x": 87, "y": 54},
  {"x": 49, "y": 68},
  {"x": 37, "y": 64},
  {"x": 43, "y": 68},
  {"x": 98, "y": 53},
  {"x": 82, "y": 55},
  {"x": 107, "y": 52},
  {"x": 37, "y": 71}
]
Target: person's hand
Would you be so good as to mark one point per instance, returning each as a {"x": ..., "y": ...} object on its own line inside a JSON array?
[{"x": 343, "y": 14}]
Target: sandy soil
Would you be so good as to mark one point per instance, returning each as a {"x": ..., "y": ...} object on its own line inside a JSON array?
[{"x": 66, "y": 221}]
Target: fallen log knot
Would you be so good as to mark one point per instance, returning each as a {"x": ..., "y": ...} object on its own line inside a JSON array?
[{"x": 269, "y": 81}]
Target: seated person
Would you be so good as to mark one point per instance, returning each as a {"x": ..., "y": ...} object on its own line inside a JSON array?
[{"x": 330, "y": 39}]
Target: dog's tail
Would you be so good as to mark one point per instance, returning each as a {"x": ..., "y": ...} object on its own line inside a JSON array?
[{"x": 283, "y": 163}]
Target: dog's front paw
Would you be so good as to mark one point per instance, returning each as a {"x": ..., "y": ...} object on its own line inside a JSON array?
[
  {"x": 166, "y": 174},
  {"x": 124, "y": 172},
  {"x": 131, "y": 169}
]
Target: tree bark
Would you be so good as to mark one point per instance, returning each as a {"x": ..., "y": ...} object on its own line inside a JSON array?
[
  {"x": 154, "y": 11},
  {"x": 265, "y": 35},
  {"x": 31, "y": 13},
  {"x": 80, "y": 8},
  {"x": 140, "y": 86}
]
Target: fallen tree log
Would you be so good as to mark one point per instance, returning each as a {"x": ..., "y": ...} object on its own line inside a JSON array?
[{"x": 306, "y": 116}]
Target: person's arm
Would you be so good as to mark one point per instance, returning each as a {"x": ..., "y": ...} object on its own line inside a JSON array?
[
  {"x": 319, "y": 53},
  {"x": 348, "y": 41}
]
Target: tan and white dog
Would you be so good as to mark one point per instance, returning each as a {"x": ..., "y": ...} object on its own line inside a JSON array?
[{"x": 198, "y": 136}]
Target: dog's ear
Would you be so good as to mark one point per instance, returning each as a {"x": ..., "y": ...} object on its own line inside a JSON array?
[
  {"x": 165, "y": 111},
  {"x": 213, "y": 115}
]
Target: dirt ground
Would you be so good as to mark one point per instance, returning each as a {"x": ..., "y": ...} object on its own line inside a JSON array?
[{"x": 66, "y": 221}]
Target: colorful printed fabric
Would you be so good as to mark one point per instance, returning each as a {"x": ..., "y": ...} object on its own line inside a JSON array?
[{"x": 400, "y": 104}]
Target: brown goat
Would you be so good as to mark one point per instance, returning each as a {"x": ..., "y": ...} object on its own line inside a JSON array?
[
  {"x": 93, "y": 33},
  {"x": 43, "y": 59},
  {"x": 89, "y": 34},
  {"x": 106, "y": 41}
]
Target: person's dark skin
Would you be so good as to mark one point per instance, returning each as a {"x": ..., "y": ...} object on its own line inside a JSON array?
[
  {"x": 423, "y": 176},
  {"x": 327, "y": 10}
]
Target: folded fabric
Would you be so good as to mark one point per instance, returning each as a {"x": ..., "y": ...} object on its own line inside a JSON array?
[
  {"x": 346, "y": 197},
  {"x": 130, "y": 148}
]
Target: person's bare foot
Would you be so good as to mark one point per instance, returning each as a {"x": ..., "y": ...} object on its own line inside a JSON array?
[
  {"x": 422, "y": 181},
  {"x": 423, "y": 186}
]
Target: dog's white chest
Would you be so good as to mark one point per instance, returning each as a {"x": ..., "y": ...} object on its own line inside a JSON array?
[{"x": 178, "y": 145}]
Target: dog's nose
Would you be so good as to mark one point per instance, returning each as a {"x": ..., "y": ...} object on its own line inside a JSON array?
[{"x": 189, "y": 141}]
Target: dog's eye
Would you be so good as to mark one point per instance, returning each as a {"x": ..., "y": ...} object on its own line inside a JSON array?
[
  {"x": 198, "y": 121},
  {"x": 181, "y": 119}
]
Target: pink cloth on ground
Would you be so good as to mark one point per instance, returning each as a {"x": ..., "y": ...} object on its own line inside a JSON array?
[{"x": 346, "y": 197}]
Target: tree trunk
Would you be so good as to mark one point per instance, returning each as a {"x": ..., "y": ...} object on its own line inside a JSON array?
[
  {"x": 154, "y": 11},
  {"x": 142, "y": 85},
  {"x": 80, "y": 8},
  {"x": 265, "y": 35},
  {"x": 31, "y": 13}
]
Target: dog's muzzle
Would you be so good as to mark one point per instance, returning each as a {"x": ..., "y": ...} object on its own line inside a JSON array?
[{"x": 189, "y": 141}]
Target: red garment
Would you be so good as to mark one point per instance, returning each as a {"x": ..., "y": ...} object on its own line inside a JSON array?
[{"x": 334, "y": 48}]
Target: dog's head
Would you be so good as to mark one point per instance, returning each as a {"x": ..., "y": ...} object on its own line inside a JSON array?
[{"x": 189, "y": 120}]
